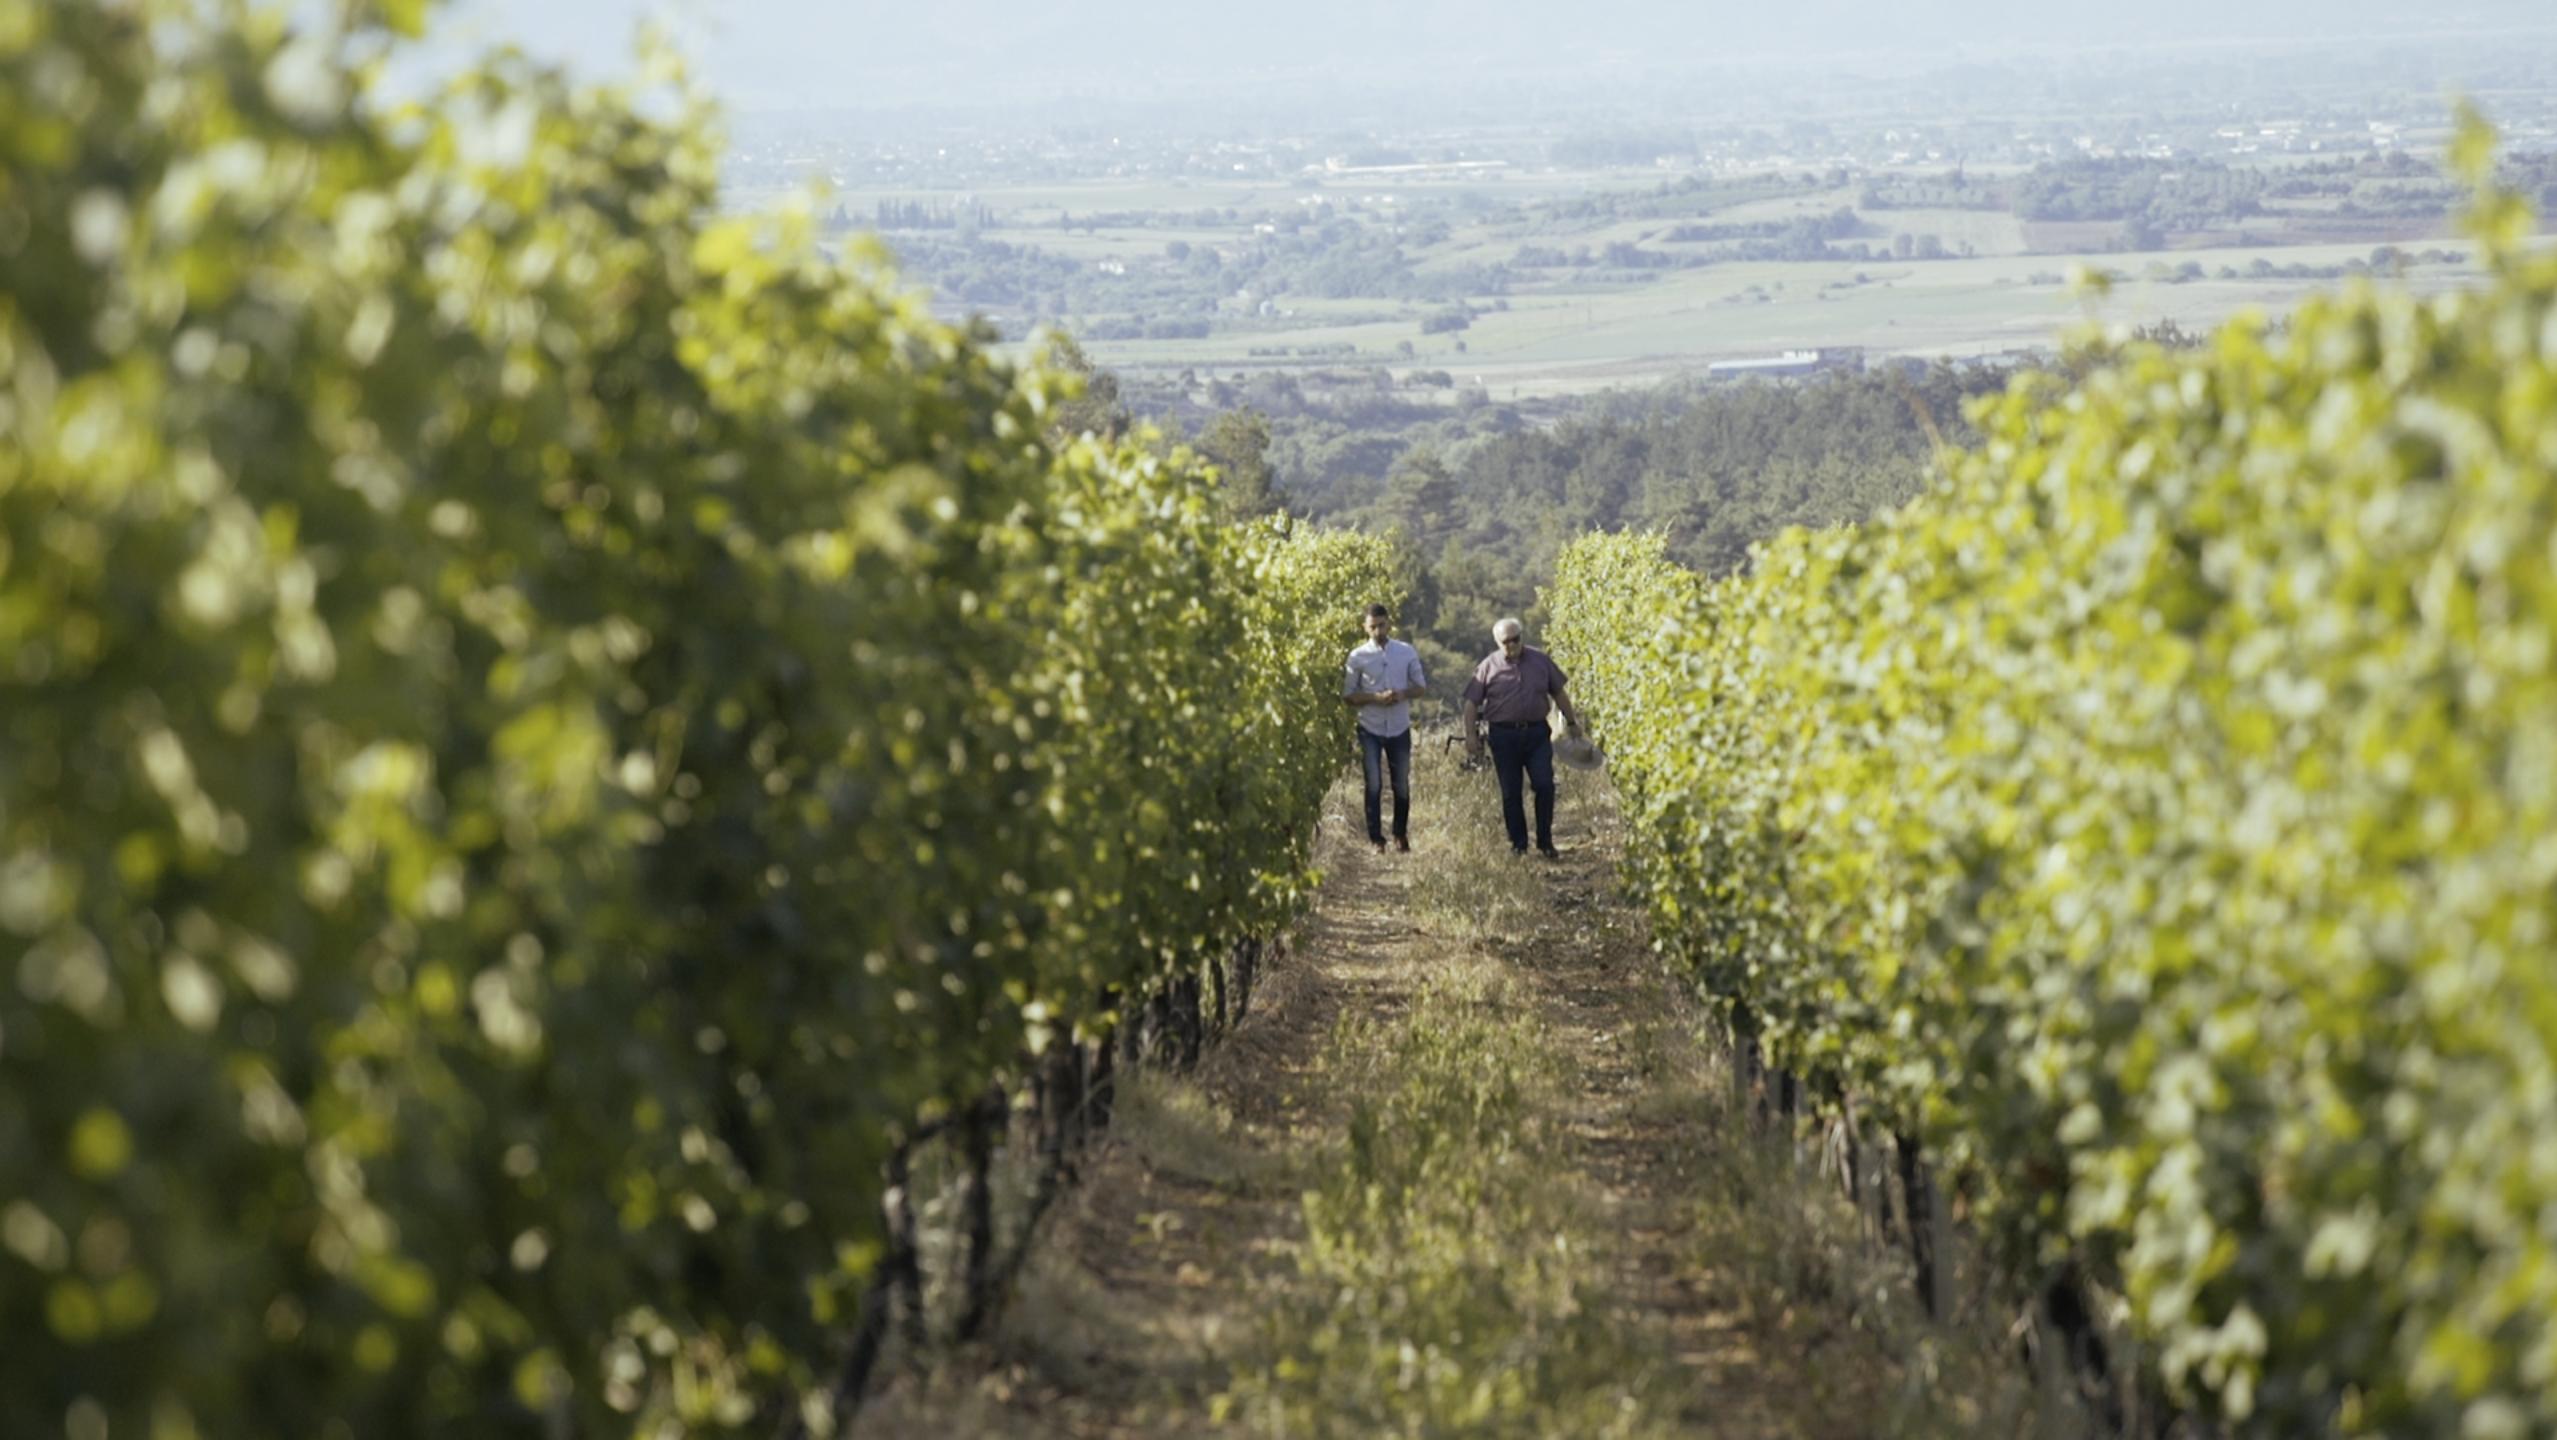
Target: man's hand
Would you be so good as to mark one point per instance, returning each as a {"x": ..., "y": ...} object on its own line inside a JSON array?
[{"x": 1388, "y": 697}]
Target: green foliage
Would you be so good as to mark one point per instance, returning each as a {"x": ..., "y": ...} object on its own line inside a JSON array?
[
  {"x": 1718, "y": 467},
  {"x": 1238, "y": 444},
  {"x": 1091, "y": 406},
  {"x": 538, "y": 731},
  {"x": 2158, "y": 814},
  {"x": 1177, "y": 296}
]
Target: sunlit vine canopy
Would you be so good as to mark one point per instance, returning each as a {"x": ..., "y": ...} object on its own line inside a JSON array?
[
  {"x": 539, "y": 729},
  {"x": 2160, "y": 815}
]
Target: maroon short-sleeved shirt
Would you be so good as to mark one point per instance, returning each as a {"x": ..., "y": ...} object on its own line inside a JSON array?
[{"x": 1507, "y": 691}]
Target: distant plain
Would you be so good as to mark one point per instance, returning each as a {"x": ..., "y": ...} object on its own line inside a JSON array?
[{"x": 1556, "y": 332}]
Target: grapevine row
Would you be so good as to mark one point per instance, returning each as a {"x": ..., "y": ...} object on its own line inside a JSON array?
[
  {"x": 542, "y": 732},
  {"x": 2160, "y": 818}
]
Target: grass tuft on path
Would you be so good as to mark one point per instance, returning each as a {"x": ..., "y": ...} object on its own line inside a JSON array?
[{"x": 1450, "y": 1276}]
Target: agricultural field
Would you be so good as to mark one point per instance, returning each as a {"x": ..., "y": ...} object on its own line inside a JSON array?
[
  {"x": 1526, "y": 283},
  {"x": 1563, "y": 340}
]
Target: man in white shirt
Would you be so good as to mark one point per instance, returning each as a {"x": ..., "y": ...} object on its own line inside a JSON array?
[{"x": 1380, "y": 680}]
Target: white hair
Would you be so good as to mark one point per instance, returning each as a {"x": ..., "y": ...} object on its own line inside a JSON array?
[{"x": 1503, "y": 628}]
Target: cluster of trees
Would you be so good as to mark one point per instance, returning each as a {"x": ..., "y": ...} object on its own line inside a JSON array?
[
  {"x": 1129, "y": 327},
  {"x": 1332, "y": 430},
  {"x": 2397, "y": 184},
  {"x": 1486, "y": 492},
  {"x": 2151, "y": 199},
  {"x": 1346, "y": 260},
  {"x": 2182, "y": 194},
  {"x": 999, "y": 277},
  {"x": 1827, "y": 236},
  {"x": 2330, "y": 178},
  {"x": 1841, "y": 223},
  {"x": 2533, "y": 175},
  {"x": 2383, "y": 260},
  {"x": 1325, "y": 350},
  {"x": 1362, "y": 399},
  {"x": 1092, "y": 220},
  {"x": 1172, "y": 294},
  {"x": 1487, "y": 502},
  {"x": 967, "y": 217}
]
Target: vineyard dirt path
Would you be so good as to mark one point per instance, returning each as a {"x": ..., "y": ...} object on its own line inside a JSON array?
[{"x": 1152, "y": 1284}]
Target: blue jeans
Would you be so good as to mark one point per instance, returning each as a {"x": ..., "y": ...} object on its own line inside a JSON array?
[
  {"x": 1380, "y": 753},
  {"x": 1525, "y": 753}
]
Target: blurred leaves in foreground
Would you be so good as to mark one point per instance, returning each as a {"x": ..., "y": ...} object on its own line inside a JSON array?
[{"x": 538, "y": 729}]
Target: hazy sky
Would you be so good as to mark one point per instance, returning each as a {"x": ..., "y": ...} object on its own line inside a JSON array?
[{"x": 762, "y": 54}]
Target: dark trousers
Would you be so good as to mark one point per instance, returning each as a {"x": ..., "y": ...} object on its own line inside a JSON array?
[
  {"x": 1381, "y": 753},
  {"x": 1525, "y": 753}
]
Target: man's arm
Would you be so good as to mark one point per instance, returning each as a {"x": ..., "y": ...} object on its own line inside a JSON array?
[
  {"x": 1351, "y": 695},
  {"x": 1558, "y": 687},
  {"x": 1476, "y": 692}
]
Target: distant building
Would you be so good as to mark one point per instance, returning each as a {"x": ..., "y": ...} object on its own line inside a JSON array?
[
  {"x": 1790, "y": 362},
  {"x": 2012, "y": 358},
  {"x": 1340, "y": 165}
]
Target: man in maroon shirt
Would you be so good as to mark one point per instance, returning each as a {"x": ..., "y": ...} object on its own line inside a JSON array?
[{"x": 1511, "y": 692}]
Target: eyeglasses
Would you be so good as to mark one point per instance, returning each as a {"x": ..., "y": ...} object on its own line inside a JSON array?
[{"x": 1512, "y": 640}]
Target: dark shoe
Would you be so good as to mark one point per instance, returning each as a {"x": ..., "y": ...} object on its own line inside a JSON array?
[
  {"x": 1379, "y": 844},
  {"x": 1517, "y": 849},
  {"x": 1549, "y": 852},
  {"x": 1403, "y": 843}
]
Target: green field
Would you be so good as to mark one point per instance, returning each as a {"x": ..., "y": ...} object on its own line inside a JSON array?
[
  {"x": 1573, "y": 330},
  {"x": 1561, "y": 341}
]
